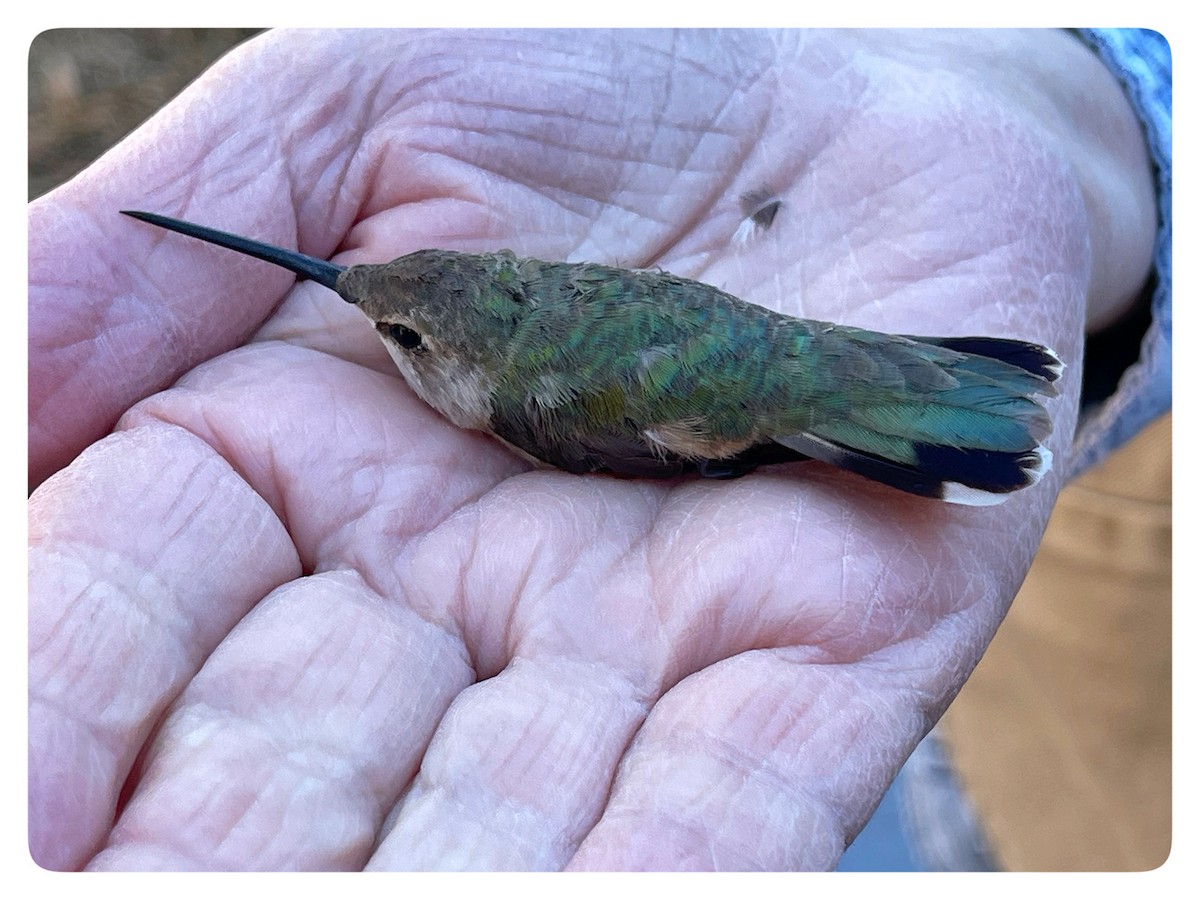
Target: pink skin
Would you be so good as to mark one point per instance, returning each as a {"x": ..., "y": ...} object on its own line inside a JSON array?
[{"x": 284, "y": 616}]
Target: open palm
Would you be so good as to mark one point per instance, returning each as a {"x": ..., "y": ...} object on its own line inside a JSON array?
[{"x": 285, "y": 616}]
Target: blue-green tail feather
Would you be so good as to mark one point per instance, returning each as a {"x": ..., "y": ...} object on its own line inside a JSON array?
[{"x": 972, "y": 438}]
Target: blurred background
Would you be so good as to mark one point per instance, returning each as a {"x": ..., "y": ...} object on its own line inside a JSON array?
[{"x": 89, "y": 87}]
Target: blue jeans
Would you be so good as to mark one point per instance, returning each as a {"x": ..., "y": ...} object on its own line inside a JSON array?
[{"x": 939, "y": 823}]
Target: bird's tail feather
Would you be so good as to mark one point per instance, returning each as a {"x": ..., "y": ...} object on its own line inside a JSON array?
[
  {"x": 972, "y": 441},
  {"x": 1035, "y": 359}
]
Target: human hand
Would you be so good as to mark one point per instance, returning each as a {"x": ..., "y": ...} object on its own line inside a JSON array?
[{"x": 287, "y": 617}]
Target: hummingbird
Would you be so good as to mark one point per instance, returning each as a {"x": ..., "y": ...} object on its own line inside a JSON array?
[{"x": 595, "y": 368}]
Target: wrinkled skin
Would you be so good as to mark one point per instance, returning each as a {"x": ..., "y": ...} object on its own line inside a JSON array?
[{"x": 284, "y": 616}]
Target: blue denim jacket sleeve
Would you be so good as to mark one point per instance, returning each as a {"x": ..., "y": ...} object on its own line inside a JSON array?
[{"x": 1141, "y": 61}]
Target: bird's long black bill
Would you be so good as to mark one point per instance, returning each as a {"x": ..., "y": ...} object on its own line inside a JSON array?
[{"x": 318, "y": 270}]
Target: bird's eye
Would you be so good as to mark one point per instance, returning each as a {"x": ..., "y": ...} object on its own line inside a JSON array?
[{"x": 401, "y": 334}]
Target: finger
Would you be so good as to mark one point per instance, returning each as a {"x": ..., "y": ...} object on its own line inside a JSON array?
[
  {"x": 764, "y": 762},
  {"x": 519, "y": 771},
  {"x": 296, "y": 737},
  {"x": 520, "y": 766},
  {"x": 123, "y": 610}
]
